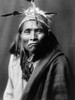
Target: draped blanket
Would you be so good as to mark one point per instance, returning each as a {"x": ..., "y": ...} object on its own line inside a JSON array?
[{"x": 50, "y": 80}]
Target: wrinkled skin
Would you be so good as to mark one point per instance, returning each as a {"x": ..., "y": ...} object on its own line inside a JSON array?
[{"x": 33, "y": 35}]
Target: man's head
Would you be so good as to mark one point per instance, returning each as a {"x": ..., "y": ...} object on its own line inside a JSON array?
[
  {"x": 33, "y": 31},
  {"x": 34, "y": 28},
  {"x": 33, "y": 34}
]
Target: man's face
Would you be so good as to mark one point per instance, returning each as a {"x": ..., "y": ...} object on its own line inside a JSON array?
[{"x": 32, "y": 35}]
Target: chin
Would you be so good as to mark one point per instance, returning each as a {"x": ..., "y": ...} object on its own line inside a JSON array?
[{"x": 33, "y": 50}]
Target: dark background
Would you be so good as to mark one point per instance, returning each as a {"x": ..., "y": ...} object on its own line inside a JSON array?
[{"x": 63, "y": 27}]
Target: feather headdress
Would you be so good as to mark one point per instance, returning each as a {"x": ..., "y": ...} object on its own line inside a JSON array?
[{"x": 35, "y": 13}]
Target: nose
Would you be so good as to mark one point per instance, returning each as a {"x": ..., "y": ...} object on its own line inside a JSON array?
[{"x": 33, "y": 35}]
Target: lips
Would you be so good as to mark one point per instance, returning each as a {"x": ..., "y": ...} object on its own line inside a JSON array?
[{"x": 32, "y": 44}]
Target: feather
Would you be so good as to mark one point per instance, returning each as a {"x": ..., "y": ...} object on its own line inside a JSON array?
[
  {"x": 30, "y": 0},
  {"x": 9, "y": 14},
  {"x": 5, "y": 15},
  {"x": 49, "y": 15}
]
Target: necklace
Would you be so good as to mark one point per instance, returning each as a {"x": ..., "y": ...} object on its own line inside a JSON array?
[{"x": 28, "y": 69}]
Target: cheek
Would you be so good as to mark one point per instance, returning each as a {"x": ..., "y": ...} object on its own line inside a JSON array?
[
  {"x": 41, "y": 36},
  {"x": 24, "y": 36},
  {"x": 24, "y": 39}
]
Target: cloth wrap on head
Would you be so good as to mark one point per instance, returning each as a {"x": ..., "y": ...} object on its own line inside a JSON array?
[{"x": 37, "y": 15}]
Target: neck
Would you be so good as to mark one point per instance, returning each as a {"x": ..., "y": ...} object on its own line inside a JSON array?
[{"x": 40, "y": 54}]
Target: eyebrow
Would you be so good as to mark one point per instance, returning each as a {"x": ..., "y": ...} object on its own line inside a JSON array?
[{"x": 34, "y": 28}]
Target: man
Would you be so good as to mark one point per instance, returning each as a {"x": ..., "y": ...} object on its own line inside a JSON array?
[{"x": 38, "y": 70}]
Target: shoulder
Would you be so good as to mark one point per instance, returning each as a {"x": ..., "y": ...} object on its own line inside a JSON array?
[
  {"x": 62, "y": 59},
  {"x": 14, "y": 66},
  {"x": 14, "y": 60},
  {"x": 59, "y": 57},
  {"x": 59, "y": 60},
  {"x": 61, "y": 64}
]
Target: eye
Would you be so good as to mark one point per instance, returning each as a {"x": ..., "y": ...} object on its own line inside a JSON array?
[
  {"x": 27, "y": 31},
  {"x": 40, "y": 30}
]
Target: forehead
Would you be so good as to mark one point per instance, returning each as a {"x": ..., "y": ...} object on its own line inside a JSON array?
[{"x": 32, "y": 25}]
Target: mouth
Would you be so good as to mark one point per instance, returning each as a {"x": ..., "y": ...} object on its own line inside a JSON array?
[{"x": 32, "y": 44}]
